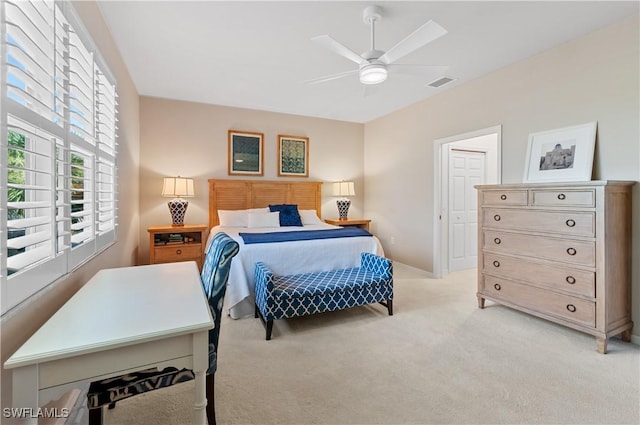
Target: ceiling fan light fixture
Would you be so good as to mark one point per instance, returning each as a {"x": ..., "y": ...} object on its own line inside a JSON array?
[{"x": 373, "y": 74}]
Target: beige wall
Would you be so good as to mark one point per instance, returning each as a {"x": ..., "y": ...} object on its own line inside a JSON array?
[
  {"x": 18, "y": 324},
  {"x": 190, "y": 139},
  {"x": 594, "y": 78}
]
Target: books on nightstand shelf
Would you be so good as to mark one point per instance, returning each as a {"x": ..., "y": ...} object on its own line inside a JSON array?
[{"x": 172, "y": 239}]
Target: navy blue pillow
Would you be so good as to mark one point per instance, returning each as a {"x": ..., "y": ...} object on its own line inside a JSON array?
[{"x": 289, "y": 215}]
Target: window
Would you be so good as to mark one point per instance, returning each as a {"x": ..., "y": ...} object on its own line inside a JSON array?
[{"x": 58, "y": 152}]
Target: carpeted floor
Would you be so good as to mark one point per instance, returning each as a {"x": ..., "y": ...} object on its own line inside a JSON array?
[{"x": 438, "y": 360}]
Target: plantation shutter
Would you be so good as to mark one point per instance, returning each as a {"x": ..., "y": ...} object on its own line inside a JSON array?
[
  {"x": 34, "y": 60},
  {"x": 59, "y": 150},
  {"x": 106, "y": 130}
]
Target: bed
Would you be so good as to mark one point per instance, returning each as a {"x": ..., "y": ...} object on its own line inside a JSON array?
[{"x": 235, "y": 201}]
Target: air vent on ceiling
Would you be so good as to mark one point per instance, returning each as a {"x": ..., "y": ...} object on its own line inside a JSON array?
[{"x": 440, "y": 82}]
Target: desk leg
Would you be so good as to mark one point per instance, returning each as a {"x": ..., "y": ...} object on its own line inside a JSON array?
[
  {"x": 25, "y": 394},
  {"x": 200, "y": 366}
]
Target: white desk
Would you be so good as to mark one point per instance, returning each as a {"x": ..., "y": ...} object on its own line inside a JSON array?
[{"x": 122, "y": 320}]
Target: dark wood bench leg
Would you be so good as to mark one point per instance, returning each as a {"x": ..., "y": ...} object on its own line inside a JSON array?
[
  {"x": 389, "y": 305},
  {"x": 269, "y": 329},
  {"x": 268, "y": 324}
]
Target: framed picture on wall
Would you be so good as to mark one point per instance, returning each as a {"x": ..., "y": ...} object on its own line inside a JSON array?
[
  {"x": 245, "y": 155},
  {"x": 561, "y": 155},
  {"x": 293, "y": 156}
]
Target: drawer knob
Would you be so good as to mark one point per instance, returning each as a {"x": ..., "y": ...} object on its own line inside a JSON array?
[
  {"x": 497, "y": 286},
  {"x": 496, "y": 217},
  {"x": 571, "y": 280},
  {"x": 571, "y": 251},
  {"x": 178, "y": 251},
  {"x": 496, "y": 263},
  {"x": 571, "y": 222},
  {"x": 503, "y": 197},
  {"x": 562, "y": 196},
  {"x": 571, "y": 308},
  {"x": 497, "y": 241}
]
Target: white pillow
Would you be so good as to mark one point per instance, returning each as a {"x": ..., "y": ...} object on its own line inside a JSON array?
[
  {"x": 238, "y": 218},
  {"x": 258, "y": 210},
  {"x": 231, "y": 218},
  {"x": 262, "y": 219},
  {"x": 309, "y": 217}
]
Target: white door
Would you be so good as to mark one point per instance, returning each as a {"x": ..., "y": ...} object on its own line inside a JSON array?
[{"x": 466, "y": 169}]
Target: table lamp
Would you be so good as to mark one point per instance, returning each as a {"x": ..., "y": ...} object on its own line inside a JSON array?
[
  {"x": 343, "y": 189},
  {"x": 178, "y": 188}
]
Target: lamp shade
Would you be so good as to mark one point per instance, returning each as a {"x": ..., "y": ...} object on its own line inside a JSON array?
[
  {"x": 343, "y": 189},
  {"x": 176, "y": 187}
]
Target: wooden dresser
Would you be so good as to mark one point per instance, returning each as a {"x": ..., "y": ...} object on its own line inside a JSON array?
[{"x": 559, "y": 251}]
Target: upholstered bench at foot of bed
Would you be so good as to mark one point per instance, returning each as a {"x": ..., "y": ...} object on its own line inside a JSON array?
[{"x": 281, "y": 297}]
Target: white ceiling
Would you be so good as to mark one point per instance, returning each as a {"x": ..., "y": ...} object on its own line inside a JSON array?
[{"x": 258, "y": 55}]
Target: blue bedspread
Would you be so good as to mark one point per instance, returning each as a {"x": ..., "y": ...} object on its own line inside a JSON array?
[{"x": 305, "y": 235}]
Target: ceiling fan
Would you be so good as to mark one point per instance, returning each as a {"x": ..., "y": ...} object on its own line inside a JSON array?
[{"x": 375, "y": 65}]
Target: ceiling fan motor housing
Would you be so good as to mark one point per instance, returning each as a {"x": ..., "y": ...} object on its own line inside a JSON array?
[{"x": 373, "y": 72}]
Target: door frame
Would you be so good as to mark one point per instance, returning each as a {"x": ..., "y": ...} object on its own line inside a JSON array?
[{"x": 441, "y": 190}]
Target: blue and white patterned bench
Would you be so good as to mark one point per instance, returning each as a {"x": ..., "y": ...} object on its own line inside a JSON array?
[{"x": 280, "y": 297}]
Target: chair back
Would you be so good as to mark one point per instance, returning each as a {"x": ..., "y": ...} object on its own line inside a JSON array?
[{"x": 215, "y": 273}]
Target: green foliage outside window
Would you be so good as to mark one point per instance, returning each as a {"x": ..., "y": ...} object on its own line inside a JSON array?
[{"x": 15, "y": 173}]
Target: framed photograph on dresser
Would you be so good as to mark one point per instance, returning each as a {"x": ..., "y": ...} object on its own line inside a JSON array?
[
  {"x": 561, "y": 155},
  {"x": 245, "y": 155},
  {"x": 293, "y": 156}
]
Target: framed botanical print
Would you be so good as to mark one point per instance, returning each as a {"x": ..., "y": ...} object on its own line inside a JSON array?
[
  {"x": 245, "y": 155},
  {"x": 293, "y": 156}
]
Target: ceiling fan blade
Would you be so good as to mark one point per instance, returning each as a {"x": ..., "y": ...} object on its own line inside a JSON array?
[
  {"x": 339, "y": 48},
  {"x": 420, "y": 37},
  {"x": 331, "y": 77},
  {"x": 410, "y": 69}
]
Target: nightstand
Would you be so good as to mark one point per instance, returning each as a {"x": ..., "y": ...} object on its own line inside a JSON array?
[
  {"x": 169, "y": 244},
  {"x": 362, "y": 223}
]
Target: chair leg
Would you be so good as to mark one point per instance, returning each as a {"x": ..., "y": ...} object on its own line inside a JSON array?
[
  {"x": 95, "y": 416},
  {"x": 211, "y": 406},
  {"x": 390, "y": 307}
]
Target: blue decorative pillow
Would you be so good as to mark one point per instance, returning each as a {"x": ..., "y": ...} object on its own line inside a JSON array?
[{"x": 289, "y": 215}]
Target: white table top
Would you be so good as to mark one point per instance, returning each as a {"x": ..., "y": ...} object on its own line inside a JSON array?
[{"x": 119, "y": 307}]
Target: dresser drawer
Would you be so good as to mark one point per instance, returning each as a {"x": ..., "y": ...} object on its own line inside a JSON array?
[
  {"x": 578, "y": 282},
  {"x": 543, "y": 301},
  {"x": 556, "y": 222},
  {"x": 565, "y": 250},
  {"x": 186, "y": 252},
  {"x": 504, "y": 197},
  {"x": 561, "y": 198}
]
